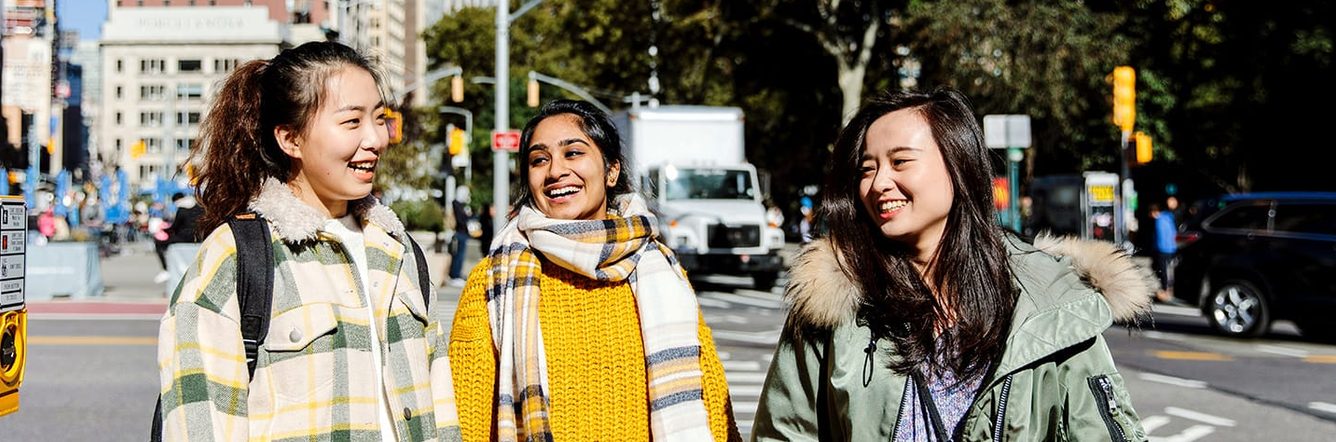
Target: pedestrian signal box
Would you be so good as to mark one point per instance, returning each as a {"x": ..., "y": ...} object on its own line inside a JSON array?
[{"x": 13, "y": 310}]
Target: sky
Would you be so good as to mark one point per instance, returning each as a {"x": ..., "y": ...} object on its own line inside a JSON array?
[{"x": 85, "y": 16}]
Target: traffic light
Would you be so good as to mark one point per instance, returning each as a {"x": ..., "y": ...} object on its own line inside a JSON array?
[
  {"x": 458, "y": 141},
  {"x": 138, "y": 149},
  {"x": 395, "y": 122},
  {"x": 1143, "y": 145},
  {"x": 1124, "y": 97},
  {"x": 533, "y": 93},
  {"x": 457, "y": 89}
]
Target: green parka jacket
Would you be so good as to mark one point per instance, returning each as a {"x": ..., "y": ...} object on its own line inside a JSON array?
[{"x": 1056, "y": 379}]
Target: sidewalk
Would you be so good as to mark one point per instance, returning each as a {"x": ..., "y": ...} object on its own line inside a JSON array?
[{"x": 128, "y": 279}]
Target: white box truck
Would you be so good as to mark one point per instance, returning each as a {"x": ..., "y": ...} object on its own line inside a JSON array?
[{"x": 690, "y": 162}]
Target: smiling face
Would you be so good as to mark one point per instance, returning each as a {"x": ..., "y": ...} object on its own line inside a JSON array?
[
  {"x": 568, "y": 177},
  {"x": 336, "y": 155},
  {"x": 905, "y": 187}
]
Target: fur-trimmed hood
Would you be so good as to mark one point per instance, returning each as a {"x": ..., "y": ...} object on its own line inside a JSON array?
[
  {"x": 294, "y": 221},
  {"x": 822, "y": 296}
]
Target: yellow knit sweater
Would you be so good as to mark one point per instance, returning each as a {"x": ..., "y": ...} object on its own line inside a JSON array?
[{"x": 596, "y": 362}]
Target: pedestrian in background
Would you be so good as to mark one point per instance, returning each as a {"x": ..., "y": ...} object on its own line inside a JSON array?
[
  {"x": 580, "y": 325},
  {"x": 352, "y": 351},
  {"x": 1166, "y": 246},
  {"x": 459, "y": 246},
  {"x": 919, "y": 319}
]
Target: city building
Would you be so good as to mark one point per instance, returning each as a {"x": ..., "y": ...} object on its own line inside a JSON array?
[{"x": 160, "y": 68}]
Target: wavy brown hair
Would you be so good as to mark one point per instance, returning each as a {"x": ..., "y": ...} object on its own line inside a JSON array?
[
  {"x": 969, "y": 269},
  {"x": 237, "y": 149}
]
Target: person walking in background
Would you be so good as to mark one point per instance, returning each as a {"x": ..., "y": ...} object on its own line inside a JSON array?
[
  {"x": 181, "y": 229},
  {"x": 580, "y": 325},
  {"x": 1166, "y": 246},
  {"x": 459, "y": 247},
  {"x": 919, "y": 319},
  {"x": 353, "y": 351}
]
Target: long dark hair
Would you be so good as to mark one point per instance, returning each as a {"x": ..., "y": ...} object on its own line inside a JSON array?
[
  {"x": 596, "y": 125},
  {"x": 237, "y": 149},
  {"x": 969, "y": 269}
]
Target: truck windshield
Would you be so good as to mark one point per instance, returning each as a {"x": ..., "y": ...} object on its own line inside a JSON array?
[{"x": 709, "y": 184}]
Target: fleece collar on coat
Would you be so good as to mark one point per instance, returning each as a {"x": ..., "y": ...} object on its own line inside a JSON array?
[
  {"x": 823, "y": 296},
  {"x": 294, "y": 221}
]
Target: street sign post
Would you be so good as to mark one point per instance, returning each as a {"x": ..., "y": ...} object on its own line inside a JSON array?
[
  {"x": 506, "y": 140},
  {"x": 1010, "y": 132},
  {"x": 13, "y": 314}
]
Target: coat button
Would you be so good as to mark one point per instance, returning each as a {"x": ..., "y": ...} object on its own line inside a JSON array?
[
  {"x": 408, "y": 414},
  {"x": 296, "y": 335}
]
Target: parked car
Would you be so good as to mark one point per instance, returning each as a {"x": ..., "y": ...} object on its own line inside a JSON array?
[{"x": 1249, "y": 259}]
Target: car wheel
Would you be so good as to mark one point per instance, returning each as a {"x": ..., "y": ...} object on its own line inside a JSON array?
[{"x": 1237, "y": 308}]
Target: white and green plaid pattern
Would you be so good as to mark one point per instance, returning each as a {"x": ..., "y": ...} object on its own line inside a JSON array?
[
  {"x": 315, "y": 375},
  {"x": 622, "y": 247}
]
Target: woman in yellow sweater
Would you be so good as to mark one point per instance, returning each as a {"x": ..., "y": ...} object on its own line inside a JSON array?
[{"x": 580, "y": 325}]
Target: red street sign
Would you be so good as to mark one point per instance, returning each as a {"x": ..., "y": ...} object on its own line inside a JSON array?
[{"x": 507, "y": 140}]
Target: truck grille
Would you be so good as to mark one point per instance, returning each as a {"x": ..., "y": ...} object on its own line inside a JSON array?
[{"x": 724, "y": 237}]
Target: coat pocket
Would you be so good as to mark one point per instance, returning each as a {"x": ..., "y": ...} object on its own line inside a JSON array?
[
  {"x": 1114, "y": 407},
  {"x": 301, "y": 346}
]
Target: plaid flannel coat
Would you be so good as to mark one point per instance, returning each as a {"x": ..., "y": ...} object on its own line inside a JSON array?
[{"x": 315, "y": 374}]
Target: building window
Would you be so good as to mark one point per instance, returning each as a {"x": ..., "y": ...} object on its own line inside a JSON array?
[
  {"x": 120, "y": 92},
  {"x": 190, "y": 91},
  {"x": 120, "y": 119},
  {"x": 183, "y": 118},
  {"x": 223, "y": 65},
  {"x": 184, "y": 144},
  {"x": 153, "y": 92},
  {"x": 120, "y": 65},
  {"x": 153, "y": 145},
  {"x": 189, "y": 66},
  {"x": 118, "y": 147},
  {"x": 153, "y": 66},
  {"x": 150, "y": 119}
]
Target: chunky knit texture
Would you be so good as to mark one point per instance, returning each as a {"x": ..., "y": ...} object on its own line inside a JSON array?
[{"x": 596, "y": 366}]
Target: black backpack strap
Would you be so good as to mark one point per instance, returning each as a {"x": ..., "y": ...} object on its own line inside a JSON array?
[
  {"x": 254, "y": 292},
  {"x": 424, "y": 278},
  {"x": 255, "y": 281}
]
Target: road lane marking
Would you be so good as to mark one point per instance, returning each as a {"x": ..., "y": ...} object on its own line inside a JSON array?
[
  {"x": 1189, "y": 383},
  {"x": 1199, "y": 417},
  {"x": 1176, "y": 310},
  {"x": 1323, "y": 406},
  {"x": 1283, "y": 351},
  {"x": 1150, "y": 423},
  {"x": 1191, "y": 355},
  {"x": 741, "y": 365},
  {"x": 1321, "y": 359},
  {"x": 745, "y": 377},
  {"x": 1162, "y": 335},
  {"x": 1192, "y": 433},
  {"x": 95, "y": 316},
  {"x": 761, "y": 337},
  {"x": 746, "y": 300},
  {"x": 744, "y": 390},
  {"x": 707, "y": 302},
  {"x": 92, "y": 340}
]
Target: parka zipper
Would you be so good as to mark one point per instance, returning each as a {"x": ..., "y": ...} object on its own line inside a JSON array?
[
  {"x": 1001, "y": 409},
  {"x": 1107, "y": 404}
]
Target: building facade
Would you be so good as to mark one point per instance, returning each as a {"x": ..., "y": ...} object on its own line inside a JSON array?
[{"x": 160, "y": 68}]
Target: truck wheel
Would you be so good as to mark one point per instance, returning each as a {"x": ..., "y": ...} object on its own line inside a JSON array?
[{"x": 764, "y": 281}]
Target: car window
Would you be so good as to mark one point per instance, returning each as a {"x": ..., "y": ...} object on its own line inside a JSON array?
[
  {"x": 1306, "y": 218},
  {"x": 1244, "y": 216}
]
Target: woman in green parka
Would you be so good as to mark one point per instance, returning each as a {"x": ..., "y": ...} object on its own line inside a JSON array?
[{"x": 918, "y": 319}]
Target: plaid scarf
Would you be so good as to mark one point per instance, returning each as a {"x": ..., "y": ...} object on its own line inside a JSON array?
[{"x": 622, "y": 247}]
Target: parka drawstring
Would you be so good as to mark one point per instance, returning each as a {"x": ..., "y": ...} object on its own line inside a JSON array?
[{"x": 867, "y": 361}]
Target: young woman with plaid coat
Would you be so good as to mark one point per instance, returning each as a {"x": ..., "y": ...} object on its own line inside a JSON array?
[
  {"x": 615, "y": 348},
  {"x": 352, "y": 352}
]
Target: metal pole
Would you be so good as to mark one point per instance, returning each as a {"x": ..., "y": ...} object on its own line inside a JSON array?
[
  {"x": 1014, "y": 157},
  {"x": 500, "y": 160},
  {"x": 1119, "y": 223}
]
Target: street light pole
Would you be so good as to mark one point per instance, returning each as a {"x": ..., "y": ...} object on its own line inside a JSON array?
[{"x": 500, "y": 160}]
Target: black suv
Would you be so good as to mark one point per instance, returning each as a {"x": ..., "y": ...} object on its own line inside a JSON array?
[{"x": 1249, "y": 259}]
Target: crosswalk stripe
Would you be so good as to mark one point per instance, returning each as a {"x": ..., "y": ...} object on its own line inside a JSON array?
[{"x": 744, "y": 300}]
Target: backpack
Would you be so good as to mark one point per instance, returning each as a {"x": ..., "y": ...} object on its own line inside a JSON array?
[{"x": 255, "y": 290}]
